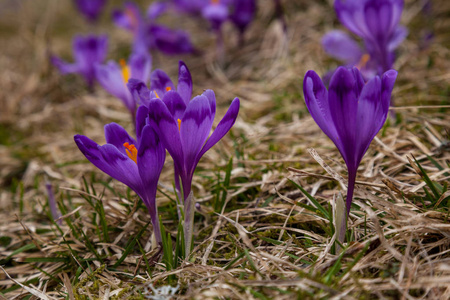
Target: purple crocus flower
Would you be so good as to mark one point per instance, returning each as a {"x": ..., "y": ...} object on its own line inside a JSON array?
[
  {"x": 91, "y": 9},
  {"x": 184, "y": 126},
  {"x": 150, "y": 35},
  {"x": 243, "y": 12},
  {"x": 350, "y": 113},
  {"x": 216, "y": 12},
  {"x": 136, "y": 163},
  {"x": 377, "y": 23},
  {"x": 114, "y": 77},
  {"x": 88, "y": 51}
]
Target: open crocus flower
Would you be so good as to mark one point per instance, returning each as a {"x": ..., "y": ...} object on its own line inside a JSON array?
[
  {"x": 114, "y": 77},
  {"x": 350, "y": 113},
  {"x": 88, "y": 51},
  {"x": 136, "y": 163},
  {"x": 377, "y": 23},
  {"x": 91, "y": 9},
  {"x": 184, "y": 131}
]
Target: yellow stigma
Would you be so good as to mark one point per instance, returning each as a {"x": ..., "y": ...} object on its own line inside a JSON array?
[
  {"x": 363, "y": 61},
  {"x": 168, "y": 88},
  {"x": 156, "y": 94},
  {"x": 179, "y": 124},
  {"x": 125, "y": 70},
  {"x": 131, "y": 151}
]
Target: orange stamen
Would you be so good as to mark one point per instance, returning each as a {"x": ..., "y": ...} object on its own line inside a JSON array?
[
  {"x": 131, "y": 151},
  {"x": 363, "y": 61},
  {"x": 168, "y": 88},
  {"x": 215, "y": 1},
  {"x": 179, "y": 124},
  {"x": 156, "y": 94},
  {"x": 125, "y": 70}
]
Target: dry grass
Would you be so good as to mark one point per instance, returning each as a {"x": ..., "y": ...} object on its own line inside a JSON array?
[{"x": 264, "y": 243}]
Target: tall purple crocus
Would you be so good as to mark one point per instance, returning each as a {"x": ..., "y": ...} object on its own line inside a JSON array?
[
  {"x": 114, "y": 77},
  {"x": 377, "y": 23},
  {"x": 184, "y": 126},
  {"x": 91, "y": 9},
  {"x": 88, "y": 51},
  {"x": 136, "y": 163},
  {"x": 150, "y": 35},
  {"x": 350, "y": 113}
]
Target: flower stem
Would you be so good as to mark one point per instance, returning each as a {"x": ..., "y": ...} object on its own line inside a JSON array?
[
  {"x": 348, "y": 204},
  {"x": 189, "y": 211}
]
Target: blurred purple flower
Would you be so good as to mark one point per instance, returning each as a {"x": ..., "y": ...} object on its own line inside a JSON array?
[
  {"x": 88, "y": 51},
  {"x": 377, "y": 23},
  {"x": 350, "y": 113},
  {"x": 136, "y": 163},
  {"x": 190, "y": 6},
  {"x": 216, "y": 12},
  {"x": 114, "y": 77},
  {"x": 150, "y": 35},
  {"x": 91, "y": 9},
  {"x": 243, "y": 12},
  {"x": 184, "y": 126}
]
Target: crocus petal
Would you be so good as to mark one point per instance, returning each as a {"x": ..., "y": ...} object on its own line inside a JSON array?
[
  {"x": 343, "y": 105},
  {"x": 175, "y": 104},
  {"x": 162, "y": 120},
  {"x": 141, "y": 121},
  {"x": 111, "y": 79},
  {"x": 150, "y": 158},
  {"x": 341, "y": 46},
  {"x": 387, "y": 84},
  {"x": 399, "y": 34},
  {"x": 316, "y": 99},
  {"x": 160, "y": 82},
  {"x": 369, "y": 116},
  {"x": 109, "y": 160},
  {"x": 116, "y": 135},
  {"x": 139, "y": 91},
  {"x": 122, "y": 168},
  {"x": 64, "y": 67},
  {"x": 194, "y": 130},
  {"x": 222, "y": 128},
  {"x": 140, "y": 66},
  {"x": 184, "y": 87},
  {"x": 212, "y": 101}
]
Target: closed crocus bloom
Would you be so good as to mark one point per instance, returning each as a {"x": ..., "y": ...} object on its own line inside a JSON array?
[
  {"x": 350, "y": 113},
  {"x": 91, "y": 9},
  {"x": 114, "y": 77},
  {"x": 243, "y": 12},
  {"x": 87, "y": 51},
  {"x": 136, "y": 163}
]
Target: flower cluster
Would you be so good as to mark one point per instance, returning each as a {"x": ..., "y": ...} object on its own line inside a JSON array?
[{"x": 168, "y": 118}]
